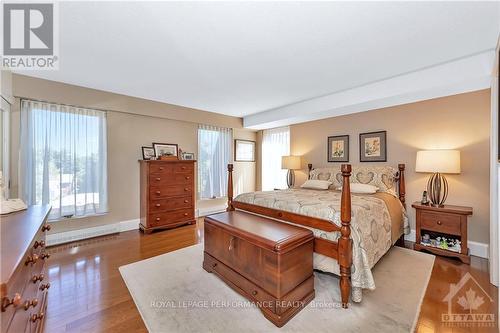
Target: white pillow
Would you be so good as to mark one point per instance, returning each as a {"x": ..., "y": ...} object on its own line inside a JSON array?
[
  {"x": 362, "y": 188},
  {"x": 316, "y": 184}
]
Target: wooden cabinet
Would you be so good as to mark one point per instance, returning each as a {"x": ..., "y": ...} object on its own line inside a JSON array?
[
  {"x": 264, "y": 260},
  {"x": 167, "y": 194},
  {"x": 444, "y": 221},
  {"x": 24, "y": 285}
]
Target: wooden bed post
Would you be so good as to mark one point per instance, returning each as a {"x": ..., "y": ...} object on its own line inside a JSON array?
[
  {"x": 230, "y": 206},
  {"x": 401, "y": 183},
  {"x": 345, "y": 242}
]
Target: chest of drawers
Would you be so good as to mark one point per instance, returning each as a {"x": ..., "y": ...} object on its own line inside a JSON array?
[
  {"x": 167, "y": 194},
  {"x": 24, "y": 285}
]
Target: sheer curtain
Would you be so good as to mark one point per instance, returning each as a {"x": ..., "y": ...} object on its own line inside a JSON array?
[
  {"x": 275, "y": 143},
  {"x": 214, "y": 153},
  {"x": 63, "y": 159}
]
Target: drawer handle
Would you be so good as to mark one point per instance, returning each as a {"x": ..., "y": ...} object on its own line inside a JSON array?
[
  {"x": 158, "y": 192},
  {"x": 186, "y": 189},
  {"x": 157, "y": 205},
  {"x": 46, "y": 228},
  {"x": 161, "y": 168},
  {"x": 439, "y": 222},
  {"x": 158, "y": 178},
  {"x": 183, "y": 168},
  {"x": 44, "y": 286},
  {"x": 187, "y": 177},
  {"x": 254, "y": 292},
  {"x": 231, "y": 243},
  {"x": 186, "y": 201},
  {"x": 185, "y": 214},
  {"x": 157, "y": 219},
  {"x": 45, "y": 256},
  {"x": 36, "y": 278},
  {"x": 33, "y": 303},
  {"x": 34, "y": 318},
  {"x": 15, "y": 301},
  {"x": 39, "y": 243},
  {"x": 31, "y": 260}
]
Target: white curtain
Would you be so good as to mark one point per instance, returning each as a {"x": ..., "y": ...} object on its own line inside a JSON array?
[
  {"x": 214, "y": 154},
  {"x": 63, "y": 160},
  {"x": 275, "y": 143}
]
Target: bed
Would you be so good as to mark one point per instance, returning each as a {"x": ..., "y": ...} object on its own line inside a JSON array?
[{"x": 352, "y": 231}]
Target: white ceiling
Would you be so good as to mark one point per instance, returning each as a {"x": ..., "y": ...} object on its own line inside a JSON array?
[{"x": 243, "y": 58}]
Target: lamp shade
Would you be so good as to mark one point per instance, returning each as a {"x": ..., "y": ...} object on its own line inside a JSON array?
[
  {"x": 442, "y": 161},
  {"x": 290, "y": 162}
]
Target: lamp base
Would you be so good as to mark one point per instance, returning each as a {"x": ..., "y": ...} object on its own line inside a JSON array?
[
  {"x": 290, "y": 178},
  {"x": 437, "y": 189}
]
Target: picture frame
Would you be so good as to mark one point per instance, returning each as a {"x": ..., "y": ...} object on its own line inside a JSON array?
[
  {"x": 148, "y": 153},
  {"x": 244, "y": 150},
  {"x": 373, "y": 147},
  {"x": 187, "y": 156},
  {"x": 166, "y": 150},
  {"x": 338, "y": 148}
]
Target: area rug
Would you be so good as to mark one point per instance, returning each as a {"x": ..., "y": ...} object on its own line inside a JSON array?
[{"x": 174, "y": 294}]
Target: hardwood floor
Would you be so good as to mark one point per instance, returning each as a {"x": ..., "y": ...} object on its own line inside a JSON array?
[{"x": 87, "y": 293}]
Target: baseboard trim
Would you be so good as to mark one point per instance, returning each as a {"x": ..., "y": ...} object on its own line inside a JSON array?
[
  {"x": 475, "y": 248},
  {"x": 76, "y": 235}
]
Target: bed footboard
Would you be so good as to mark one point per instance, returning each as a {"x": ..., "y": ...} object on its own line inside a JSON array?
[
  {"x": 340, "y": 250},
  {"x": 345, "y": 241}
]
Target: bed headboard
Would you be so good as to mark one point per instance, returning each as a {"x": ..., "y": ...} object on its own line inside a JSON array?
[{"x": 386, "y": 178}]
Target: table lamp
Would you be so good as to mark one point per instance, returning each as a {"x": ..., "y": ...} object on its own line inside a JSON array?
[
  {"x": 290, "y": 163},
  {"x": 438, "y": 162}
]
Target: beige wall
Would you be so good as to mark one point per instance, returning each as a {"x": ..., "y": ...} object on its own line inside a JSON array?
[
  {"x": 456, "y": 122},
  {"x": 6, "y": 85},
  {"x": 133, "y": 123}
]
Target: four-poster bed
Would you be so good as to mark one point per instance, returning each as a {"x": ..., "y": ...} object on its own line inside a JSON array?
[{"x": 340, "y": 249}]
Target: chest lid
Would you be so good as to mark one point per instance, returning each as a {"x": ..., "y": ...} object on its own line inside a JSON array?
[{"x": 261, "y": 231}]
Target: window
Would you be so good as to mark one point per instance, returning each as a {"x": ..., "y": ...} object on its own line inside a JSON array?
[
  {"x": 4, "y": 149},
  {"x": 214, "y": 154},
  {"x": 63, "y": 158},
  {"x": 275, "y": 143}
]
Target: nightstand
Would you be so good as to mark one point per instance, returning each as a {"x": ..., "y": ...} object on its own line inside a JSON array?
[{"x": 448, "y": 221}]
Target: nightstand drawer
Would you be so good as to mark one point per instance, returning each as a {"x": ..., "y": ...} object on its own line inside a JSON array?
[{"x": 441, "y": 222}]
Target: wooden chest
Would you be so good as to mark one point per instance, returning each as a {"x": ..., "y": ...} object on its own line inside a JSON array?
[
  {"x": 167, "y": 194},
  {"x": 266, "y": 261},
  {"x": 24, "y": 285}
]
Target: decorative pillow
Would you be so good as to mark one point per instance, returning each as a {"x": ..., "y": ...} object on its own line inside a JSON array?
[
  {"x": 383, "y": 177},
  {"x": 316, "y": 184},
  {"x": 362, "y": 188}
]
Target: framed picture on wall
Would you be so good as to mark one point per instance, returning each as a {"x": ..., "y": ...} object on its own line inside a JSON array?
[
  {"x": 373, "y": 147},
  {"x": 244, "y": 150},
  {"x": 338, "y": 148}
]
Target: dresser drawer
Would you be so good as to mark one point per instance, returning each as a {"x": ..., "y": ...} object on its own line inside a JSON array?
[
  {"x": 160, "y": 168},
  {"x": 183, "y": 168},
  {"x": 162, "y": 205},
  {"x": 171, "y": 217},
  {"x": 440, "y": 222},
  {"x": 176, "y": 178},
  {"x": 170, "y": 191}
]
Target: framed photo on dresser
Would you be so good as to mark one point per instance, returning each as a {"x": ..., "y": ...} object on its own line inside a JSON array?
[
  {"x": 338, "y": 148},
  {"x": 166, "y": 150},
  {"x": 373, "y": 147}
]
